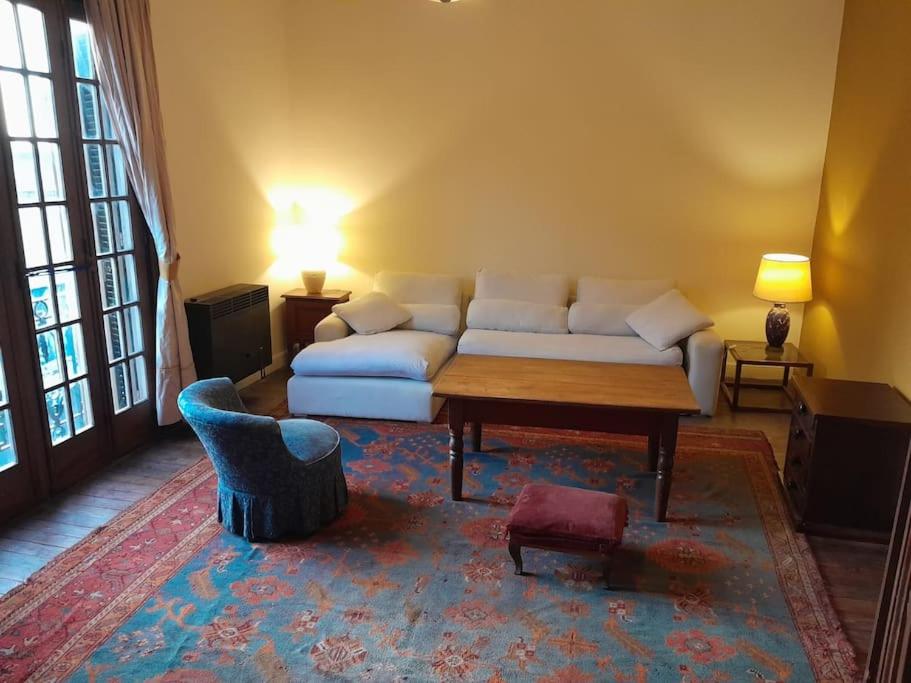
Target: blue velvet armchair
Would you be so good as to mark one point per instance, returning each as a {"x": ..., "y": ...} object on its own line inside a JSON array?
[{"x": 275, "y": 477}]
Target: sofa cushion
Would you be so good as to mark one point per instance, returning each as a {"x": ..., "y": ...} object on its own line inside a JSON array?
[
  {"x": 419, "y": 288},
  {"x": 610, "y": 319},
  {"x": 409, "y": 354},
  {"x": 538, "y": 289},
  {"x": 601, "y": 290},
  {"x": 372, "y": 313},
  {"x": 516, "y": 316},
  {"x": 567, "y": 347},
  {"x": 667, "y": 320},
  {"x": 439, "y": 318}
]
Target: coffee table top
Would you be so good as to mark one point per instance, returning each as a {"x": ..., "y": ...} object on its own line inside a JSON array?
[{"x": 583, "y": 383}]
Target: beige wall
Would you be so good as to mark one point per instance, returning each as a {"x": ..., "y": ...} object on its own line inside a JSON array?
[
  {"x": 645, "y": 139},
  {"x": 859, "y": 325}
]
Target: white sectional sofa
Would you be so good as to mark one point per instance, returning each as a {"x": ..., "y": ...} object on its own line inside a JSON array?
[{"x": 390, "y": 375}]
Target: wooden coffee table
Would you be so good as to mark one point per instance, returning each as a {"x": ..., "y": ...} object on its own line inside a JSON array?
[{"x": 601, "y": 397}]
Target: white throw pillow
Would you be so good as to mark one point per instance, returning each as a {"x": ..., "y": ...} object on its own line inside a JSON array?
[
  {"x": 667, "y": 320},
  {"x": 439, "y": 318},
  {"x": 606, "y": 319},
  {"x": 516, "y": 316},
  {"x": 372, "y": 313}
]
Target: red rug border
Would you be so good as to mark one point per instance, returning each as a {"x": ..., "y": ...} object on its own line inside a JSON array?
[{"x": 827, "y": 648}]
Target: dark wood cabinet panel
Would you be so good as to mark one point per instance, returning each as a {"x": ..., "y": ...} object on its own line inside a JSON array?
[
  {"x": 846, "y": 454},
  {"x": 302, "y": 313}
]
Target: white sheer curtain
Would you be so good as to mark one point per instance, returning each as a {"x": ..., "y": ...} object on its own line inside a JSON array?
[{"x": 126, "y": 71}]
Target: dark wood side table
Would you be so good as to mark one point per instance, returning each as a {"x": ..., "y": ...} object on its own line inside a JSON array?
[
  {"x": 767, "y": 396},
  {"x": 303, "y": 311},
  {"x": 846, "y": 456}
]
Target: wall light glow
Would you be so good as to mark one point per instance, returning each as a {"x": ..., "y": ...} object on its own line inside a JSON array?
[{"x": 307, "y": 235}]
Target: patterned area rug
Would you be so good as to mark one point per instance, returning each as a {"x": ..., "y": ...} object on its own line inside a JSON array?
[{"x": 411, "y": 586}]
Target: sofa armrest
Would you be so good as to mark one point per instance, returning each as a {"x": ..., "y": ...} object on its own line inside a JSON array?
[
  {"x": 331, "y": 328},
  {"x": 704, "y": 352}
]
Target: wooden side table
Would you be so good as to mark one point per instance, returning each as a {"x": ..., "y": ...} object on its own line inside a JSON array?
[
  {"x": 772, "y": 398},
  {"x": 303, "y": 311}
]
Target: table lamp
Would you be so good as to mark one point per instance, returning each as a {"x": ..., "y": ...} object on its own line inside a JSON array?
[{"x": 782, "y": 279}]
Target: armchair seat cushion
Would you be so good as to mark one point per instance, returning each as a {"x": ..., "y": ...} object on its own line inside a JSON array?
[
  {"x": 408, "y": 354},
  {"x": 590, "y": 347},
  {"x": 308, "y": 440}
]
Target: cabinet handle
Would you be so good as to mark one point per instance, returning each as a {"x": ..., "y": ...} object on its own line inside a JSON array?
[
  {"x": 802, "y": 408},
  {"x": 798, "y": 433}
]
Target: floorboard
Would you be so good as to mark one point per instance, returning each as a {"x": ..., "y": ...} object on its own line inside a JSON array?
[{"x": 851, "y": 571}]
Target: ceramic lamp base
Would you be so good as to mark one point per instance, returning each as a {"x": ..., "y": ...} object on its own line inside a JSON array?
[
  {"x": 313, "y": 280},
  {"x": 777, "y": 326}
]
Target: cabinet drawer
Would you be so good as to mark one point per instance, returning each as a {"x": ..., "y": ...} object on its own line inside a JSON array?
[
  {"x": 799, "y": 455},
  {"x": 803, "y": 417}
]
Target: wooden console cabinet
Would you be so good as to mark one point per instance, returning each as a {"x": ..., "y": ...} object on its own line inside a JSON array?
[
  {"x": 846, "y": 455},
  {"x": 303, "y": 311}
]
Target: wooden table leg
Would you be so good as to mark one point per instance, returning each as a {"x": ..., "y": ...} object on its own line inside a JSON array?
[
  {"x": 665, "y": 466},
  {"x": 654, "y": 444},
  {"x": 476, "y": 437},
  {"x": 456, "y": 446},
  {"x": 735, "y": 400}
]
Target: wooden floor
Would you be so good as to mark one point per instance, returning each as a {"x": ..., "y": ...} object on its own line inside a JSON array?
[{"x": 851, "y": 571}]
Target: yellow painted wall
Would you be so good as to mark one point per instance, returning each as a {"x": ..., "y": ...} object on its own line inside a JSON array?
[
  {"x": 627, "y": 139},
  {"x": 859, "y": 325}
]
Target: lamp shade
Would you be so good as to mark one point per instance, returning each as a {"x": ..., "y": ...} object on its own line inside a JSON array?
[{"x": 784, "y": 279}]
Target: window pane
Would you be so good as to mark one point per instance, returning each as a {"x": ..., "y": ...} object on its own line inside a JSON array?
[
  {"x": 15, "y": 104},
  {"x": 33, "y": 243},
  {"x": 7, "y": 446},
  {"x": 82, "y": 49},
  {"x": 113, "y": 332},
  {"x": 88, "y": 110},
  {"x": 102, "y": 220},
  {"x": 51, "y": 171},
  {"x": 107, "y": 279},
  {"x": 128, "y": 287},
  {"x": 133, "y": 322},
  {"x": 123, "y": 230},
  {"x": 81, "y": 403},
  {"x": 118, "y": 171},
  {"x": 67, "y": 296},
  {"x": 74, "y": 351},
  {"x": 4, "y": 397},
  {"x": 9, "y": 40},
  {"x": 34, "y": 41},
  {"x": 58, "y": 415},
  {"x": 43, "y": 106},
  {"x": 42, "y": 306},
  {"x": 106, "y": 119},
  {"x": 49, "y": 358},
  {"x": 58, "y": 230},
  {"x": 119, "y": 387},
  {"x": 94, "y": 171},
  {"x": 138, "y": 379},
  {"x": 24, "y": 170}
]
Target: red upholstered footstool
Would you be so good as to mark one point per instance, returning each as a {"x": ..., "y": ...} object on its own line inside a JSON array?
[{"x": 568, "y": 520}]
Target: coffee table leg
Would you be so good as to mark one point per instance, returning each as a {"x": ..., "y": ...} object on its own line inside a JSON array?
[
  {"x": 654, "y": 444},
  {"x": 665, "y": 466},
  {"x": 476, "y": 437},
  {"x": 456, "y": 447}
]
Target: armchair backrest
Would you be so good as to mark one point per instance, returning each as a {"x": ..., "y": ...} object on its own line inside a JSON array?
[{"x": 246, "y": 450}]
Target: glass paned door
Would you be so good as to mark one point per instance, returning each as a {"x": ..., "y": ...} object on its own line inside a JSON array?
[
  {"x": 73, "y": 255},
  {"x": 113, "y": 220}
]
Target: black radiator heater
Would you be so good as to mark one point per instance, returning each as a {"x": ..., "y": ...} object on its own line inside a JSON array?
[{"x": 230, "y": 333}]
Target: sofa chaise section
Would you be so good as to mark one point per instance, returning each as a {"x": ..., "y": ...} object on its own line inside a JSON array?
[{"x": 388, "y": 375}]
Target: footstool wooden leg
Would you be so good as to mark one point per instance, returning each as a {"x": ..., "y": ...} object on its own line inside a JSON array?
[
  {"x": 516, "y": 551},
  {"x": 476, "y": 437},
  {"x": 607, "y": 565}
]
